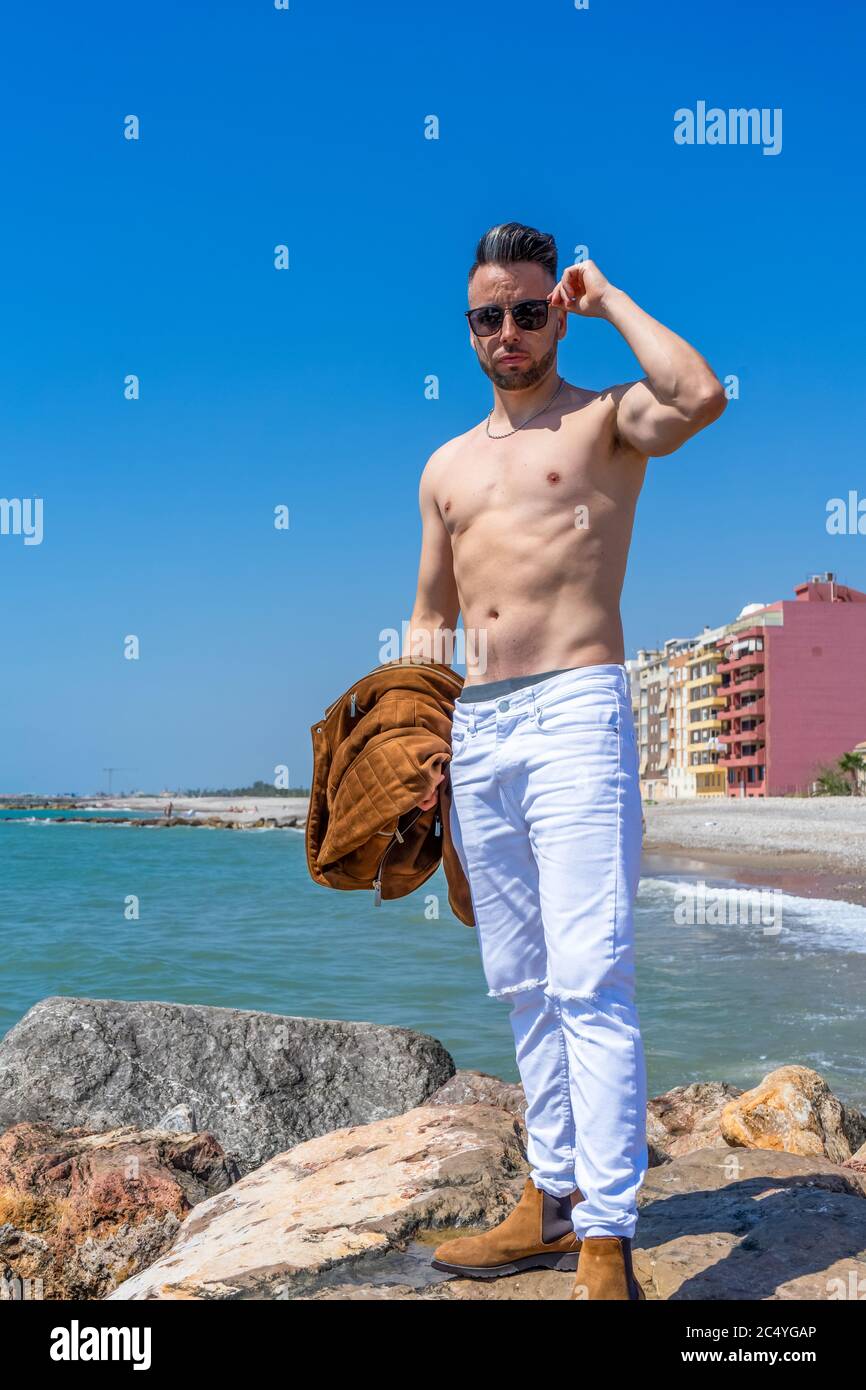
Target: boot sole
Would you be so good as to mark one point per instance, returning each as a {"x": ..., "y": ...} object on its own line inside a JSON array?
[{"x": 566, "y": 1260}]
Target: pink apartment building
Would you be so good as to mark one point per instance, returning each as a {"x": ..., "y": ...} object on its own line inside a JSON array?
[{"x": 794, "y": 677}]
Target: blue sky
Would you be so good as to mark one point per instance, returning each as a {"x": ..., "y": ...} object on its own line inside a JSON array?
[{"x": 306, "y": 387}]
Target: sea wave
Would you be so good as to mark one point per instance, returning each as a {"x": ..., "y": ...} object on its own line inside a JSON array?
[{"x": 815, "y": 922}]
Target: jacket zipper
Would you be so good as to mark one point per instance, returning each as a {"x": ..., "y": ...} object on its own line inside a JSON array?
[
  {"x": 398, "y": 835},
  {"x": 452, "y": 675}
]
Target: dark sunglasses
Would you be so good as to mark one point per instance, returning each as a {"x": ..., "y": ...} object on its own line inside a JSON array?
[{"x": 488, "y": 318}]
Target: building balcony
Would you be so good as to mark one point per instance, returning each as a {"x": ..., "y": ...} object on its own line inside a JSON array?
[
  {"x": 712, "y": 679},
  {"x": 706, "y": 702},
  {"x": 750, "y": 760},
  {"x": 757, "y": 630},
  {"x": 745, "y": 687},
  {"x": 737, "y": 663},
  {"x": 704, "y": 726},
  {"x": 753, "y": 711},
  {"x": 756, "y": 735}
]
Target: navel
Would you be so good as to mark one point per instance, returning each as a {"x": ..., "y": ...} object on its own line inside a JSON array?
[
  {"x": 447, "y": 506},
  {"x": 493, "y": 613}
]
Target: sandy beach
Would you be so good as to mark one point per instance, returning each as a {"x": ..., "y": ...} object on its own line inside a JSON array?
[
  {"x": 815, "y": 846},
  {"x": 829, "y": 829}
]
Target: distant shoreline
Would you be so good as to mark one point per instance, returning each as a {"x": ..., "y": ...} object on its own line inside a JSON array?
[
  {"x": 241, "y": 811},
  {"x": 811, "y": 847}
]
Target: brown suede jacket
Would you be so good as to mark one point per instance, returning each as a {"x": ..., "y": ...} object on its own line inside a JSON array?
[{"x": 375, "y": 753}]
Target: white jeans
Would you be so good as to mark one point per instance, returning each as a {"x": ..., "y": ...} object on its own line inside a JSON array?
[{"x": 546, "y": 819}]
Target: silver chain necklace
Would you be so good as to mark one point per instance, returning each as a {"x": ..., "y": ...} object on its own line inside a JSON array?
[{"x": 528, "y": 418}]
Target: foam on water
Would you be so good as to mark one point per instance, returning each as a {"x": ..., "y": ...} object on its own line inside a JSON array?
[{"x": 822, "y": 923}]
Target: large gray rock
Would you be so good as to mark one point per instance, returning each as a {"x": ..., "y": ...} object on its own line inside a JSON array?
[{"x": 259, "y": 1082}]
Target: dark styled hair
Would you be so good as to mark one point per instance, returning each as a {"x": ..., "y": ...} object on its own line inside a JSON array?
[{"x": 512, "y": 241}]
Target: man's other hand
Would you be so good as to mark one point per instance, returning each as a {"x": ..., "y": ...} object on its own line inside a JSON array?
[
  {"x": 430, "y": 801},
  {"x": 582, "y": 290}
]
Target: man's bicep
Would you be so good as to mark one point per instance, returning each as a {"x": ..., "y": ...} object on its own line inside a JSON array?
[
  {"x": 650, "y": 425},
  {"x": 643, "y": 422}
]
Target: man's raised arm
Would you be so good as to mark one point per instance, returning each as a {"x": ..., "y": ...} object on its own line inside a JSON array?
[
  {"x": 433, "y": 622},
  {"x": 680, "y": 394}
]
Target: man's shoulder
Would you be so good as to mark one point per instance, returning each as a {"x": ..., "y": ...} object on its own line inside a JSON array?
[
  {"x": 604, "y": 405},
  {"x": 441, "y": 457},
  {"x": 583, "y": 397}
]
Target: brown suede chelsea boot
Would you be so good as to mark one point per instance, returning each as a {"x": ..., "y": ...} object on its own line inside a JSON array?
[
  {"x": 537, "y": 1234},
  {"x": 604, "y": 1269}
]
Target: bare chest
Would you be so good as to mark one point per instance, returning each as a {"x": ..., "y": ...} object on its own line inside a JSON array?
[{"x": 526, "y": 476}]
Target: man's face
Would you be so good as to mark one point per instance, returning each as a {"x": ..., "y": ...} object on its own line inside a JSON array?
[{"x": 516, "y": 358}]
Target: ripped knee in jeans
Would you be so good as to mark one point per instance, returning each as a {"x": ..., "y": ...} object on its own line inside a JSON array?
[{"x": 508, "y": 991}]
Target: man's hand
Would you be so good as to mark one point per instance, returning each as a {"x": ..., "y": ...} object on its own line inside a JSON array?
[
  {"x": 430, "y": 801},
  {"x": 582, "y": 290},
  {"x": 680, "y": 394}
]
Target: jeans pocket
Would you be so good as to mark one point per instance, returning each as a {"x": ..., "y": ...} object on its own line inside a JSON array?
[
  {"x": 459, "y": 742},
  {"x": 566, "y": 715}
]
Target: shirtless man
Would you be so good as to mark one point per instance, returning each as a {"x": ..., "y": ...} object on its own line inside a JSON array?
[{"x": 526, "y": 524}]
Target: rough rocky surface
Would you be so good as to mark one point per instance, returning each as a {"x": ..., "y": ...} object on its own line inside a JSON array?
[
  {"x": 688, "y": 1118},
  {"x": 339, "y": 1155},
  {"x": 480, "y": 1088},
  {"x": 346, "y": 1207},
  {"x": 752, "y": 1224},
  {"x": 79, "y": 1212},
  {"x": 357, "y": 1214},
  {"x": 258, "y": 1082},
  {"x": 793, "y": 1109},
  {"x": 857, "y": 1160}
]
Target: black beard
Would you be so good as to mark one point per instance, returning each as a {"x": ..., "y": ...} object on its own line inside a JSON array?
[{"x": 518, "y": 381}]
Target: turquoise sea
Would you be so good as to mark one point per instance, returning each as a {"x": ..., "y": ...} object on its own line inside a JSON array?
[{"x": 232, "y": 918}]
